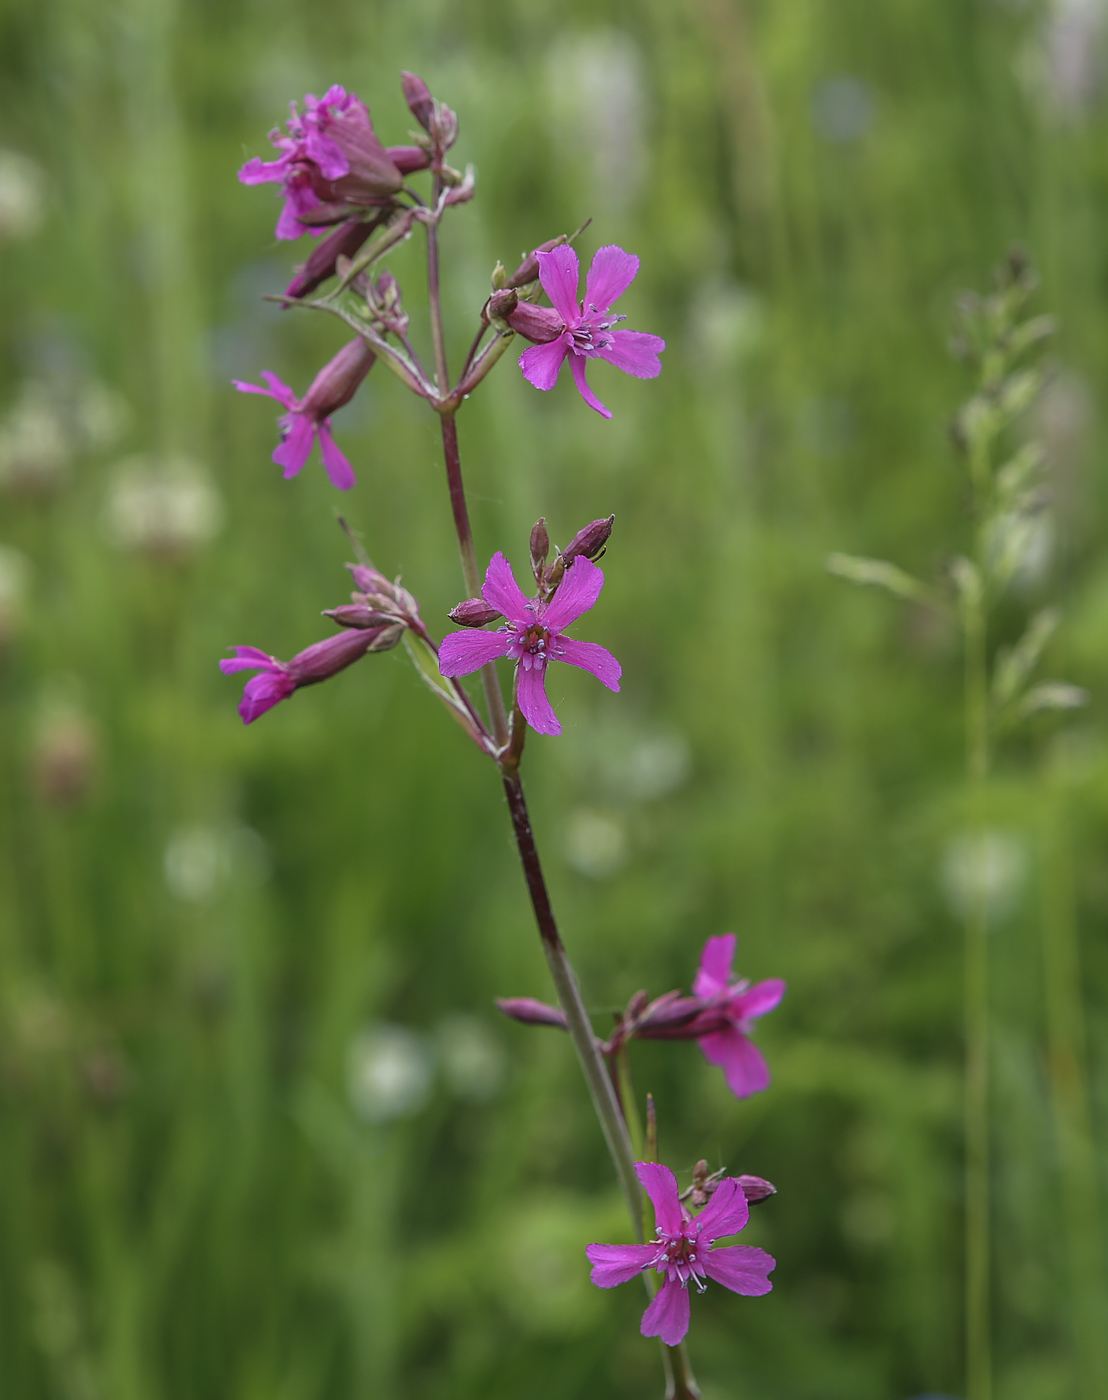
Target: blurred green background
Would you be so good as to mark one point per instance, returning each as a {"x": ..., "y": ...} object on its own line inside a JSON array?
[{"x": 262, "y": 1133}]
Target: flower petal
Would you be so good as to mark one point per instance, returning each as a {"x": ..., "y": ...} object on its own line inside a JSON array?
[
  {"x": 501, "y": 592},
  {"x": 247, "y": 659},
  {"x": 762, "y": 997},
  {"x": 714, "y": 972},
  {"x": 293, "y": 452},
  {"x": 726, "y": 1213},
  {"x": 740, "y": 1268},
  {"x": 463, "y": 652},
  {"x": 668, "y": 1315},
  {"x": 263, "y": 692},
  {"x": 740, "y": 1059},
  {"x": 577, "y": 593},
  {"x": 533, "y": 700},
  {"x": 589, "y": 656},
  {"x": 339, "y": 470},
  {"x": 635, "y": 353},
  {"x": 542, "y": 363},
  {"x": 611, "y": 273},
  {"x": 559, "y": 273},
  {"x": 577, "y": 367},
  {"x": 660, "y": 1185},
  {"x": 613, "y": 1264},
  {"x": 258, "y": 171}
]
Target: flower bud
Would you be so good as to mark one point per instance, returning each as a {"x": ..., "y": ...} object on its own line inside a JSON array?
[
  {"x": 408, "y": 159},
  {"x": 499, "y": 276},
  {"x": 756, "y": 1189},
  {"x": 537, "y": 324},
  {"x": 444, "y": 127},
  {"x": 502, "y": 303},
  {"x": 382, "y": 594},
  {"x": 343, "y": 242},
  {"x": 540, "y": 548},
  {"x": 591, "y": 542},
  {"x": 532, "y": 1012},
  {"x": 528, "y": 270},
  {"x": 418, "y": 97},
  {"x": 338, "y": 380},
  {"x": 358, "y": 615},
  {"x": 474, "y": 612}
]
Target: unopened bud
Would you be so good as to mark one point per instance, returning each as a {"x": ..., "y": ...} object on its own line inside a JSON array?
[
  {"x": 323, "y": 260},
  {"x": 502, "y": 303},
  {"x": 358, "y": 615},
  {"x": 540, "y": 548},
  {"x": 532, "y": 1012},
  {"x": 756, "y": 1189},
  {"x": 474, "y": 612},
  {"x": 528, "y": 269},
  {"x": 499, "y": 276},
  {"x": 418, "y": 97},
  {"x": 591, "y": 542},
  {"x": 450, "y": 176},
  {"x": 409, "y": 159},
  {"x": 444, "y": 127}
]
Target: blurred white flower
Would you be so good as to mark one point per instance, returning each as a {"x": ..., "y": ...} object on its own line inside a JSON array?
[
  {"x": 842, "y": 109},
  {"x": 472, "y": 1058},
  {"x": 162, "y": 506},
  {"x": 22, "y": 195},
  {"x": 727, "y": 324},
  {"x": 597, "y": 105},
  {"x": 656, "y": 766},
  {"x": 52, "y": 421},
  {"x": 985, "y": 865},
  {"x": 1070, "y": 62},
  {"x": 388, "y": 1073},
  {"x": 200, "y": 859},
  {"x": 595, "y": 843}
]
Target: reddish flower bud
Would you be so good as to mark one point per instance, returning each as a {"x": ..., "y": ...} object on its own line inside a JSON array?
[
  {"x": 418, "y": 97},
  {"x": 343, "y": 242},
  {"x": 408, "y": 159},
  {"x": 532, "y": 1012},
  {"x": 591, "y": 542},
  {"x": 358, "y": 615},
  {"x": 383, "y": 594},
  {"x": 474, "y": 612},
  {"x": 756, "y": 1189},
  {"x": 528, "y": 270},
  {"x": 540, "y": 548}
]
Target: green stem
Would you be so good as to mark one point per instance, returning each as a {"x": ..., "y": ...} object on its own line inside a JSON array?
[
  {"x": 976, "y": 1012},
  {"x": 1069, "y": 1093}
]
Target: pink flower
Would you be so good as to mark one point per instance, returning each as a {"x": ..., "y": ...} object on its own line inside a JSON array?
[
  {"x": 534, "y": 636},
  {"x": 682, "y": 1250},
  {"x": 585, "y": 333},
  {"x": 331, "y": 156},
  {"x": 729, "y": 1008},
  {"x": 278, "y": 679},
  {"x": 310, "y": 417}
]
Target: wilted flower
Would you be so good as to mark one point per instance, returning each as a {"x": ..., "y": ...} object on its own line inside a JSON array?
[
  {"x": 682, "y": 1250},
  {"x": 278, "y": 679},
  {"x": 534, "y": 635},
  {"x": 583, "y": 332},
  {"x": 729, "y": 1008},
  {"x": 310, "y": 417},
  {"x": 331, "y": 163}
]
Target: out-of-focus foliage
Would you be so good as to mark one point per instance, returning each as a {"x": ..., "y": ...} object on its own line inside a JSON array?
[{"x": 261, "y": 1133}]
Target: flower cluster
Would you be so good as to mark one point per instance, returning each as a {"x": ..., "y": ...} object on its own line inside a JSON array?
[
  {"x": 719, "y": 1016},
  {"x": 683, "y": 1251}
]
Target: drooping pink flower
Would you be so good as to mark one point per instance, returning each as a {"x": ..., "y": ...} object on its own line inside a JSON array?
[
  {"x": 533, "y": 636},
  {"x": 729, "y": 1009},
  {"x": 582, "y": 333},
  {"x": 331, "y": 156},
  {"x": 310, "y": 417},
  {"x": 278, "y": 679},
  {"x": 683, "y": 1250}
]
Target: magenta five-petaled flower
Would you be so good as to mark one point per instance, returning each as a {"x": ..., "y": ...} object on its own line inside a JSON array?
[
  {"x": 683, "y": 1251},
  {"x": 586, "y": 332},
  {"x": 730, "y": 1007},
  {"x": 310, "y": 417},
  {"x": 533, "y": 636}
]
